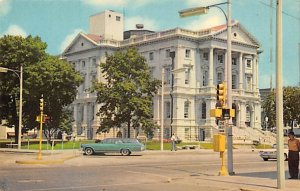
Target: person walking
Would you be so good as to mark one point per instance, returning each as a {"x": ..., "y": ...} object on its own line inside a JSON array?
[
  {"x": 173, "y": 140},
  {"x": 293, "y": 155}
]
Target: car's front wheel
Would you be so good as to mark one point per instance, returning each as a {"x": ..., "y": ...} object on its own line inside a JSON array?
[
  {"x": 88, "y": 151},
  {"x": 265, "y": 159},
  {"x": 125, "y": 152}
]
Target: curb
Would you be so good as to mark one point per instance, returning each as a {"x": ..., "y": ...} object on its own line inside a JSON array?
[{"x": 59, "y": 161}]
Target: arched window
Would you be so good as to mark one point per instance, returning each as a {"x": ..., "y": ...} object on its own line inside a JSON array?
[{"x": 203, "y": 116}]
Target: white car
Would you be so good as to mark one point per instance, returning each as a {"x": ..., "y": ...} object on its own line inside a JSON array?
[{"x": 272, "y": 153}]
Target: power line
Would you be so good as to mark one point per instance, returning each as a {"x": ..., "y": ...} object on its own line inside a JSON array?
[{"x": 284, "y": 12}]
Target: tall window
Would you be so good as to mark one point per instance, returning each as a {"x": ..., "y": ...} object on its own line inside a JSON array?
[
  {"x": 205, "y": 56},
  {"x": 187, "y": 135},
  {"x": 220, "y": 59},
  {"x": 168, "y": 75},
  {"x": 94, "y": 62},
  {"x": 249, "y": 83},
  {"x": 205, "y": 76},
  {"x": 234, "y": 81},
  {"x": 249, "y": 63},
  {"x": 168, "y": 109},
  {"x": 248, "y": 116},
  {"x": 83, "y": 63},
  {"x": 168, "y": 53},
  {"x": 187, "y": 76},
  {"x": 186, "y": 109},
  {"x": 151, "y": 55},
  {"x": 203, "y": 116},
  {"x": 234, "y": 61},
  {"x": 187, "y": 53},
  {"x": 220, "y": 77}
]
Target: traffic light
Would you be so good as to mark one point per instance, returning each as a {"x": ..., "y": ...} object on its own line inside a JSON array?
[
  {"x": 221, "y": 93},
  {"x": 41, "y": 104}
]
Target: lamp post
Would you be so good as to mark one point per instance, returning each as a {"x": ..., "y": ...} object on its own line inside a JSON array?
[
  {"x": 2, "y": 69},
  {"x": 172, "y": 55},
  {"x": 228, "y": 75},
  {"x": 162, "y": 110}
]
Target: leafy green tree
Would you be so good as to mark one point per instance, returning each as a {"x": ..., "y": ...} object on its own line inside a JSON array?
[
  {"x": 57, "y": 81},
  {"x": 291, "y": 106},
  {"x": 14, "y": 51},
  {"x": 126, "y": 96},
  {"x": 43, "y": 74}
]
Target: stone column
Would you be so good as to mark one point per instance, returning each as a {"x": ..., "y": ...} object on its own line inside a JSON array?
[
  {"x": 211, "y": 67},
  {"x": 241, "y": 73},
  {"x": 210, "y": 104},
  {"x": 254, "y": 73},
  {"x": 84, "y": 122},
  {"x": 242, "y": 114},
  {"x": 75, "y": 114}
]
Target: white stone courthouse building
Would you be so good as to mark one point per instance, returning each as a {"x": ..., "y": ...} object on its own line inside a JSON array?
[{"x": 200, "y": 57}]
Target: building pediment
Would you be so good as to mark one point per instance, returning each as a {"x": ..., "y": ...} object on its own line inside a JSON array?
[
  {"x": 239, "y": 35},
  {"x": 82, "y": 42}
]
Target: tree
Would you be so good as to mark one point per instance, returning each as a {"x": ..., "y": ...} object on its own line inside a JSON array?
[
  {"x": 14, "y": 51},
  {"x": 291, "y": 106},
  {"x": 126, "y": 96},
  {"x": 45, "y": 75},
  {"x": 57, "y": 81}
]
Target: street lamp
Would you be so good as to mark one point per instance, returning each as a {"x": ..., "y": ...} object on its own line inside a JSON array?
[
  {"x": 172, "y": 55},
  {"x": 228, "y": 77},
  {"x": 4, "y": 70}
]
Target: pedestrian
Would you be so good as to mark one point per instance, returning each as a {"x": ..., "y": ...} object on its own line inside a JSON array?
[
  {"x": 173, "y": 140},
  {"x": 293, "y": 155}
]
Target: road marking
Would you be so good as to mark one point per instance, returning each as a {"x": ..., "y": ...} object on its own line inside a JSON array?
[
  {"x": 152, "y": 174},
  {"x": 84, "y": 187},
  {"x": 30, "y": 181}
]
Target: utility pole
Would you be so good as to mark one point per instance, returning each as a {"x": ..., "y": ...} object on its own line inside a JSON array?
[
  {"x": 271, "y": 45},
  {"x": 172, "y": 55},
  {"x": 229, "y": 91},
  {"x": 279, "y": 98}
]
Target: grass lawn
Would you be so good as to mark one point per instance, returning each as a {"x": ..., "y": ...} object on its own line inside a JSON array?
[
  {"x": 150, "y": 145},
  {"x": 58, "y": 145}
]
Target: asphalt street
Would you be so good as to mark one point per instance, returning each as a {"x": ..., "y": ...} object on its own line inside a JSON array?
[{"x": 181, "y": 170}]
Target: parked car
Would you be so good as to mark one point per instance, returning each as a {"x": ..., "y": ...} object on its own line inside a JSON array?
[
  {"x": 272, "y": 153},
  {"x": 113, "y": 145}
]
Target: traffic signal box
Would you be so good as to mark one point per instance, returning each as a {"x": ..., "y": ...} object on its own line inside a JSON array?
[
  {"x": 41, "y": 104},
  {"x": 221, "y": 93},
  {"x": 219, "y": 143},
  {"x": 222, "y": 112}
]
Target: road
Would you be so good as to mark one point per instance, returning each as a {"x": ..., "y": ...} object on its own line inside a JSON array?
[{"x": 181, "y": 170}]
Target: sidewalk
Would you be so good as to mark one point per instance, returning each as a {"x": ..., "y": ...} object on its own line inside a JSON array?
[{"x": 30, "y": 156}]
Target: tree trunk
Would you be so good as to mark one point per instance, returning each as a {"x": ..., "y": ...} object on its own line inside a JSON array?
[
  {"x": 15, "y": 119},
  {"x": 128, "y": 129}
]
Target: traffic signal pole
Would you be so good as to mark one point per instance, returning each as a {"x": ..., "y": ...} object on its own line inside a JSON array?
[{"x": 41, "y": 128}]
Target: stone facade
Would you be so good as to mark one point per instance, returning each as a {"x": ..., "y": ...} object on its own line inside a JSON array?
[{"x": 200, "y": 57}]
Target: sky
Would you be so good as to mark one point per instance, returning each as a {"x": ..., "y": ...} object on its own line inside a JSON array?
[{"x": 57, "y": 22}]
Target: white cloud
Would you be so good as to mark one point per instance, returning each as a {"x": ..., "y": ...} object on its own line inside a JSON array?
[
  {"x": 203, "y": 3},
  {"x": 69, "y": 38},
  {"x": 149, "y": 24},
  {"x": 104, "y": 2},
  {"x": 4, "y": 7},
  {"x": 15, "y": 30},
  {"x": 214, "y": 18},
  {"x": 116, "y": 3}
]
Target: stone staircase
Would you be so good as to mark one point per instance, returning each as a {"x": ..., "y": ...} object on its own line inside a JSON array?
[{"x": 250, "y": 135}]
